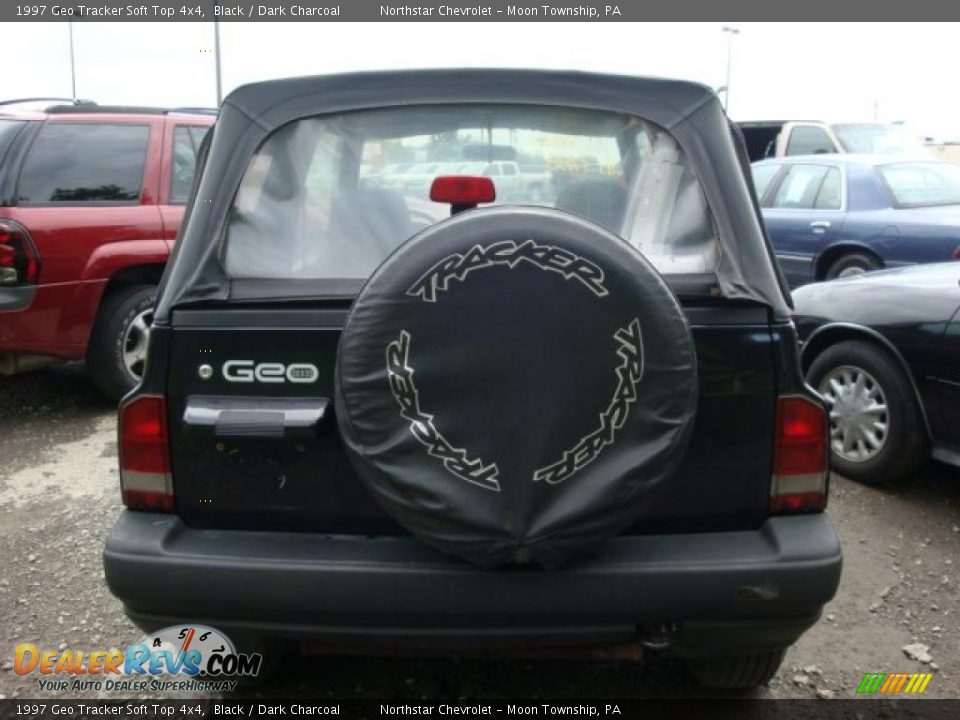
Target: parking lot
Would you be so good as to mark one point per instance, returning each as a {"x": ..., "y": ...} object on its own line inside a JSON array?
[{"x": 58, "y": 499}]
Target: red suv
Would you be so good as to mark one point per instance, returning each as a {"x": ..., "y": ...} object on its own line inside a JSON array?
[{"x": 91, "y": 198}]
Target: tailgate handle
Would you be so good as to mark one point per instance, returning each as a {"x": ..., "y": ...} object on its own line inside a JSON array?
[{"x": 255, "y": 417}]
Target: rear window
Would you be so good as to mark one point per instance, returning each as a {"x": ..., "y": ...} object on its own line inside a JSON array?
[
  {"x": 922, "y": 184},
  {"x": 74, "y": 163},
  {"x": 330, "y": 197}
]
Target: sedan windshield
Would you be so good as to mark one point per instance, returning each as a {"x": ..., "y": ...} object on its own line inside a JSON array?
[
  {"x": 876, "y": 138},
  {"x": 922, "y": 184}
]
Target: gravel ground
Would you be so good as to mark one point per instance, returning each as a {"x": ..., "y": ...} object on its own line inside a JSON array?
[{"x": 59, "y": 496}]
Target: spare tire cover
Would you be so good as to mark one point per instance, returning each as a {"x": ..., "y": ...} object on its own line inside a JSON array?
[{"x": 512, "y": 383}]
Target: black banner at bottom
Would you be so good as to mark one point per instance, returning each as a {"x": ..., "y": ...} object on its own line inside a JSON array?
[{"x": 862, "y": 709}]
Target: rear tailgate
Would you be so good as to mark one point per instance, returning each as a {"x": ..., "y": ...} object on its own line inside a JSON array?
[{"x": 255, "y": 473}]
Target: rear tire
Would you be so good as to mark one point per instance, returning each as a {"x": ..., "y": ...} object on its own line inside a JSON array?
[
  {"x": 852, "y": 264},
  {"x": 904, "y": 447},
  {"x": 117, "y": 350},
  {"x": 737, "y": 672}
]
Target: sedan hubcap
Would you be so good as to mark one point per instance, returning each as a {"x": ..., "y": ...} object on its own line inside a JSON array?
[
  {"x": 851, "y": 271},
  {"x": 135, "y": 339},
  {"x": 858, "y": 413}
]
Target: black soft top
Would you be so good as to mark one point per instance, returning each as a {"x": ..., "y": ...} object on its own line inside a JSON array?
[{"x": 689, "y": 111}]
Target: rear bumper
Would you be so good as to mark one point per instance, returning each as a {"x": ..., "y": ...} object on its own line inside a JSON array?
[
  {"x": 17, "y": 298},
  {"x": 724, "y": 592},
  {"x": 52, "y": 320}
]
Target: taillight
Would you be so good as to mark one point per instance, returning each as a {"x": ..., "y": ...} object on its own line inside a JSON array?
[
  {"x": 19, "y": 262},
  {"x": 800, "y": 457},
  {"x": 145, "y": 479},
  {"x": 956, "y": 253}
]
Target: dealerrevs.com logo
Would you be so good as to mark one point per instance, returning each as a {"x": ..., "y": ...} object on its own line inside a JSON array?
[{"x": 184, "y": 657}]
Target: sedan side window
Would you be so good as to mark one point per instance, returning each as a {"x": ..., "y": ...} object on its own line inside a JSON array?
[
  {"x": 830, "y": 195},
  {"x": 799, "y": 189},
  {"x": 809, "y": 140},
  {"x": 762, "y": 175}
]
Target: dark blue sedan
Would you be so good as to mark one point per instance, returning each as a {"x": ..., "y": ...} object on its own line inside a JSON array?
[
  {"x": 832, "y": 216},
  {"x": 882, "y": 349}
]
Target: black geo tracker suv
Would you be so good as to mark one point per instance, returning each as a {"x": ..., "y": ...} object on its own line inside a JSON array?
[{"x": 388, "y": 411}]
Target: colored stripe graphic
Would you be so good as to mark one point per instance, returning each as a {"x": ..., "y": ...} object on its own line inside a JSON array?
[
  {"x": 902, "y": 680},
  {"x": 871, "y": 682},
  {"x": 894, "y": 683},
  {"x": 889, "y": 683}
]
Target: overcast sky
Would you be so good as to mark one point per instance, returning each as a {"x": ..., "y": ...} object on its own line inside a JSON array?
[{"x": 829, "y": 71}]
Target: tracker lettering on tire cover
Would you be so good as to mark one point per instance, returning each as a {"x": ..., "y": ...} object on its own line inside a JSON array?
[
  {"x": 555, "y": 385},
  {"x": 507, "y": 253},
  {"x": 629, "y": 373},
  {"x": 421, "y": 424}
]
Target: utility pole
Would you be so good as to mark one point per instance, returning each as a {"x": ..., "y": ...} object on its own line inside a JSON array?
[
  {"x": 730, "y": 32},
  {"x": 216, "y": 60},
  {"x": 73, "y": 66}
]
